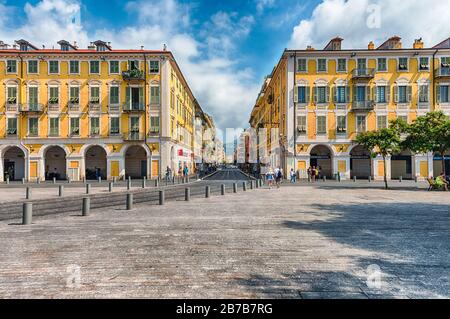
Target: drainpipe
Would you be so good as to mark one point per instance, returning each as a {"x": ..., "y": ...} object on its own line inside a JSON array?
[
  {"x": 295, "y": 115},
  {"x": 433, "y": 98}
]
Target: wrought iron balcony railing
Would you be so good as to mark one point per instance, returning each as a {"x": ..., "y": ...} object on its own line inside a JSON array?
[
  {"x": 134, "y": 74},
  {"x": 133, "y": 106},
  {"x": 134, "y": 136},
  {"x": 363, "y": 73},
  {"x": 363, "y": 105},
  {"x": 31, "y": 107}
]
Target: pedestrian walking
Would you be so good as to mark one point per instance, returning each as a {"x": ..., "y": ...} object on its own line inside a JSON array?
[
  {"x": 168, "y": 174},
  {"x": 293, "y": 176},
  {"x": 269, "y": 178},
  {"x": 278, "y": 177},
  {"x": 313, "y": 174}
]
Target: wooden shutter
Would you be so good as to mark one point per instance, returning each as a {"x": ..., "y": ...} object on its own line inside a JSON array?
[
  {"x": 438, "y": 94},
  {"x": 128, "y": 95},
  {"x": 334, "y": 94},
  {"x": 347, "y": 93},
  {"x": 388, "y": 93},
  {"x": 396, "y": 94},
  {"x": 315, "y": 94},
  {"x": 367, "y": 93},
  {"x": 409, "y": 93},
  {"x": 141, "y": 96},
  {"x": 327, "y": 94},
  {"x": 296, "y": 88},
  {"x": 307, "y": 94}
]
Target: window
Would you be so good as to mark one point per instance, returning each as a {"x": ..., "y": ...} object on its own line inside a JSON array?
[
  {"x": 154, "y": 124},
  {"x": 94, "y": 67},
  {"x": 114, "y": 127},
  {"x": 303, "y": 94},
  {"x": 94, "y": 97},
  {"x": 342, "y": 65},
  {"x": 154, "y": 66},
  {"x": 301, "y": 65},
  {"x": 341, "y": 94},
  {"x": 321, "y": 94},
  {"x": 403, "y": 64},
  {"x": 322, "y": 65},
  {"x": 114, "y": 67},
  {"x": 53, "y": 67},
  {"x": 133, "y": 65},
  {"x": 361, "y": 64},
  {"x": 33, "y": 66},
  {"x": 403, "y": 94},
  {"x": 424, "y": 64},
  {"x": 382, "y": 64},
  {"x": 360, "y": 123},
  {"x": 445, "y": 62},
  {"x": 74, "y": 97},
  {"x": 54, "y": 126},
  {"x": 54, "y": 95},
  {"x": 74, "y": 126},
  {"x": 381, "y": 94},
  {"x": 403, "y": 118},
  {"x": 11, "y": 128},
  {"x": 11, "y": 66},
  {"x": 381, "y": 121},
  {"x": 360, "y": 93},
  {"x": 154, "y": 94},
  {"x": 95, "y": 126},
  {"x": 74, "y": 67},
  {"x": 423, "y": 93},
  {"x": 32, "y": 97},
  {"x": 443, "y": 96},
  {"x": 33, "y": 126},
  {"x": 341, "y": 124},
  {"x": 301, "y": 124},
  {"x": 114, "y": 95},
  {"x": 321, "y": 124},
  {"x": 12, "y": 95}
]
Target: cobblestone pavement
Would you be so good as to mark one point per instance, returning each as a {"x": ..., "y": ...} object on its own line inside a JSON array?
[{"x": 295, "y": 242}]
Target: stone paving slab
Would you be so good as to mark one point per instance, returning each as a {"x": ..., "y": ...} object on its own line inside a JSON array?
[{"x": 292, "y": 242}]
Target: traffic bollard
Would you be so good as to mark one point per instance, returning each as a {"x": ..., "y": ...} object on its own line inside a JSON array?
[
  {"x": 207, "y": 191},
  {"x": 400, "y": 179},
  {"x": 156, "y": 183},
  {"x": 244, "y": 186},
  {"x": 28, "y": 193},
  {"x": 354, "y": 179},
  {"x": 161, "y": 197},
  {"x": 23, "y": 180},
  {"x": 86, "y": 206},
  {"x": 61, "y": 191},
  {"x": 222, "y": 189},
  {"x": 187, "y": 194},
  {"x": 88, "y": 188},
  {"x": 27, "y": 214},
  {"x": 38, "y": 180},
  {"x": 235, "y": 187},
  {"x": 129, "y": 201},
  {"x": 7, "y": 181},
  {"x": 99, "y": 179},
  {"x": 370, "y": 179},
  {"x": 143, "y": 182},
  {"x": 54, "y": 180},
  {"x": 128, "y": 184},
  {"x": 251, "y": 184},
  {"x": 324, "y": 178},
  {"x": 110, "y": 186}
]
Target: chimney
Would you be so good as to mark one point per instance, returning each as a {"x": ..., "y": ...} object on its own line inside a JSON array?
[
  {"x": 164, "y": 47},
  {"x": 371, "y": 46},
  {"x": 309, "y": 48},
  {"x": 91, "y": 46},
  {"x": 75, "y": 44},
  {"x": 335, "y": 44},
  {"x": 418, "y": 44}
]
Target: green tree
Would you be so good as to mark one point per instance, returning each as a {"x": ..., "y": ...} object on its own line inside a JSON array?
[
  {"x": 429, "y": 133},
  {"x": 384, "y": 142}
]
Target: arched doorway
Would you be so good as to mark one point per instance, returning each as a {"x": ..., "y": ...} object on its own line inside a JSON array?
[
  {"x": 401, "y": 165},
  {"x": 360, "y": 162},
  {"x": 321, "y": 157},
  {"x": 95, "y": 162},
  {"x": 55, "y": 163},
  {"x": 135, "y": 162},
  {"x": 13, "y": 164}
]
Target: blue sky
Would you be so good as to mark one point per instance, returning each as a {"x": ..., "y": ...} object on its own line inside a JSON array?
[{"x": 224, "y": 48}]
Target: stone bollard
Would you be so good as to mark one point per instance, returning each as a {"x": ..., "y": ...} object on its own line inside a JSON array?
[
  {"x": 28, "y": 193},
  {"x": 244, "y": 186},
  {"x": 7, "y": 181},
  {"x": 88, "y": 188},
  {"x": 354, "y": 179},
  {"x": 61, "y": 191},
  {"x": 128, "y": 184},
  {"x": 400, "y": 179},
  {"x": 129, "y": 201},
  {"x": 143, "y": 182},
  {"x": 251, "y": 185},
  {"x": 86, "y": 206},
  {"x": 110, "y": 187},
  {"x": 222, "y": 189},
  {"x": 38, "y": 180},
  {"x": 257, "y": 184},
  {"x": 114, "y": 179},
  {"x": 68, "y": 180},
  {"x": 187, "y": 194},
  {"x": 156, "y": 183},
  {"x": 370, "y": 179},
  {"x": 99, "y": 179},
  {"x": 27, "y": 215},
  {"x": 415, "y": 179},
  {"x": 54, "y": 180},
  {"x": 162, "y": 197},
  {"x": 324, "y": 178},
  {"x": 207, "y": 191},
  {"x": 235, "y": 188},
  {"x": 84, "y": 179},
  {"x": 23, "y": 180}
]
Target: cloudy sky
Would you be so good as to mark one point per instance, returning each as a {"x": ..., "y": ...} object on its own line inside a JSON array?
[{"x": 225, "y": 48}]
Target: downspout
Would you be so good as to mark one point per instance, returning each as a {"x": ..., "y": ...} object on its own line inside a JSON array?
[
  {"x": 295, "y": 114},
  {"x": 160, "y": 117},
  {"x": 145, "y": 108},
  {"x": 433, "y": 81}
]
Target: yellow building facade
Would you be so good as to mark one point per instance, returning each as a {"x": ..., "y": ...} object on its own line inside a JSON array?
[
  {"x": 75, "y": 114},
  {"x": 328, "y": 96}
]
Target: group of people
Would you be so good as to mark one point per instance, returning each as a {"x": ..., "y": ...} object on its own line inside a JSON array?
[
  {"x": 182, "y": 171},
  {"x": 274, "y": 175},
  {"x": 442, "y": 182},
  {"x": 314, "y": 173}
]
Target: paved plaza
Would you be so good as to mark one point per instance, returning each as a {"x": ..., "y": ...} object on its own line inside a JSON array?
[{"x": 306, "y": 241}]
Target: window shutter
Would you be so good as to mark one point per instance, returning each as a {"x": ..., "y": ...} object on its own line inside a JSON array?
[
  {"x": 315, "y": 94},
  {"x": 428, "y": 93},
  {"x": 141, "y": 96},
  {"x": 307, "y": 94},
  {"x": 409, "y": 92},
  {"x": 438, "y": 93},
  {"x": 354, "y": 93},
  {"x": 396, "y": 94},
  {"x": 347, "y": 93},
  {"x": 128, "y": 95},
  {"x": 296, "y": 88},
  {"x": 334, "y": 94},
  {"x": 375, "y": 93},
  {"x": 367, "y": 93},
  {"x": 327, "y": 94},
  {"x": 388, "y": 93}
]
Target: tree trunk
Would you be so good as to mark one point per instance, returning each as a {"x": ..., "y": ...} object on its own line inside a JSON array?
[
  {"x": 443, "y": 161},
  {"x": 385, "y": 173}
]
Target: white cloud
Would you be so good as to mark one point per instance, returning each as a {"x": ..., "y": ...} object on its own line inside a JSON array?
[
  {"x": 348, "y": 18},
  {"x": 223, "y": 90},
  {"x": 261, "y": 5}
]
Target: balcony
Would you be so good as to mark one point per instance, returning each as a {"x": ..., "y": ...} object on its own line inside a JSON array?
[
  {"x": 133, "y": 75},
  {"x": 363, "y": 106},
  {"x": 153, "y": 131},
  {"x": 95, "y": 132},
  {"x": 73, "y": 107},
  {"x": 53, "y": 105},
  {"x": 11, "y": 132},
  {"x": 133, "y": 107},
  {"x": 443, "y": 72},
  {"x": 94, "y": 106},
  {"x": 301, "y": 129},
  {"x": 363, "y": 74},
  {"x": 11, "y": 107},
  {"x": 134, "y": 136},
  {"x": 114, "y": 108},
  {"x": 31, "y": 107}
]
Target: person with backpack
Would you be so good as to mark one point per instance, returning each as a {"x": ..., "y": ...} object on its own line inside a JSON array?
[
  {"x": 293, "y": 176},
  {"x": 278, "y": 177}
]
